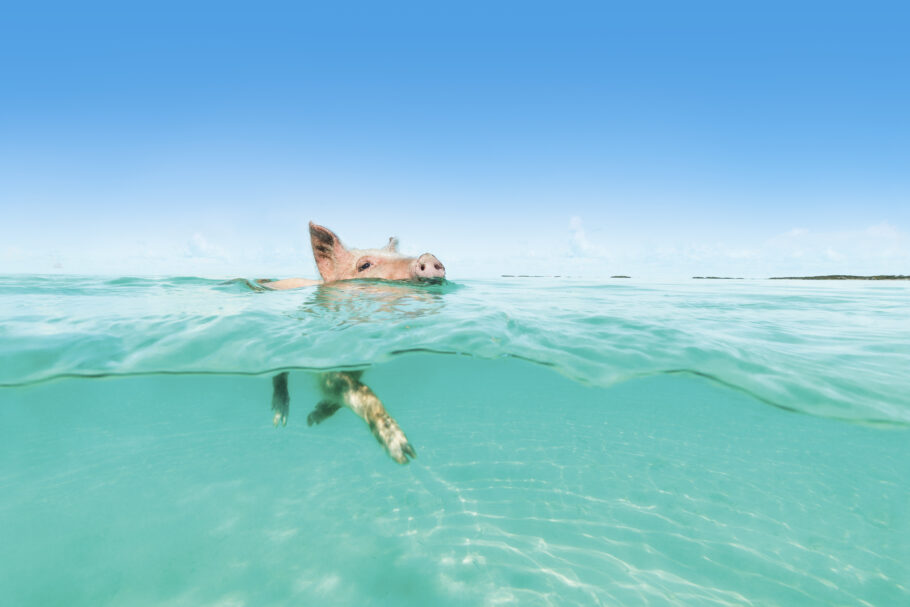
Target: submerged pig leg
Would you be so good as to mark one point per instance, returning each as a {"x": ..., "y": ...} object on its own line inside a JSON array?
[
  {"x": 344, "y": 387},
  {"x": 324, "y": 409},
  {"x": 281, "y": 400}
]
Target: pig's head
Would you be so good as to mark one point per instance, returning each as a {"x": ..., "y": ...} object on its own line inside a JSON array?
[{"x": 335, "y": 262}]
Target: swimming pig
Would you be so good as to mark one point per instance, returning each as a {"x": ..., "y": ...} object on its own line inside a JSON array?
[
  {"x": 336, "y": 262},
  {"x": 344, "y": 388}
]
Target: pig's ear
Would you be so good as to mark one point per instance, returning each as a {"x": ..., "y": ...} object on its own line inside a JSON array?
[
  {"x": 329, "y": 253},
  {"x": 392, "y": 247}
]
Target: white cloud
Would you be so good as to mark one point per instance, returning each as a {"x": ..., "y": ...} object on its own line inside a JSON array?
[
  {"x": 883, "y": 230},
  {"x": 198, "y": 247},
  {"x": 833, "y": 255},
  {"x": 579, "y": 245},
  {"x": 879, "y": 248},
  {"x": 874, "y": 249},
  {"x": 13, "y": 253},
  {"x": 795, "y": 232},
  {"x": 584, "y": 251}
]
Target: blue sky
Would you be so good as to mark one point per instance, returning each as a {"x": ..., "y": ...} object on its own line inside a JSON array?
[{"x": 658, "y": 139}]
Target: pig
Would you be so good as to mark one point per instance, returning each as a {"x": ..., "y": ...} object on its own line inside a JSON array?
[{"x": 336, "y": 263}]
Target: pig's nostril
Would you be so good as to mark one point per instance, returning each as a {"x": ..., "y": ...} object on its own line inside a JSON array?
[
  {"x": 438, "y": 266},
  {"x": 423, "y": 267}
]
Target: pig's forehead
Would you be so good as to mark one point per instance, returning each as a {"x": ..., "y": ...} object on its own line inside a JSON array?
[{"x": 384, "y": 253}]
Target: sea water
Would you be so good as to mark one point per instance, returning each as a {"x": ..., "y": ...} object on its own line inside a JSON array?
[{"x": 579, "y": 443}]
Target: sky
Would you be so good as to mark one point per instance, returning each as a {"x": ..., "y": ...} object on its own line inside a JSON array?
[{"x": 652, "y": 139}]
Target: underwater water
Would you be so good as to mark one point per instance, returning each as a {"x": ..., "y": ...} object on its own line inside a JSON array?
[{"x": 579, "y": 443}]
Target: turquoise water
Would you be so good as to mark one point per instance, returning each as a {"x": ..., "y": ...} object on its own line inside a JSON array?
[{"x": 579, "y": 443}]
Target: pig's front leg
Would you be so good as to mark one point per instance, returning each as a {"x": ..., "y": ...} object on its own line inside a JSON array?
[
  {"x": 345, "y": 386},
  {"x": 324, "y": 409},
  {"x": 281, "y": 400}
]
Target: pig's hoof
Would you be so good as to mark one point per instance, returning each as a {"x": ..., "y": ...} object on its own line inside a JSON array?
[
  {"x": 323, "y": 410},
  {"x": 280, "y": 409},
  {"x": 408, "y": 452},
  {"x": 281, "y": 399},
  {"x": 391, "y": 437},
  {"x": 281, "y": 405},
  {"x": 402, "y": 452}
]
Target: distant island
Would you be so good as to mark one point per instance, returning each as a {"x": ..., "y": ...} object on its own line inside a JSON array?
[
  {"x": 620, "y": 276},
  {"x": 843, "y": 277},
  {"x": 716, "y": 278}
]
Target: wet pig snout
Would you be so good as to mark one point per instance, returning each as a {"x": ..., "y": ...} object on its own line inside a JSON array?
[{"x": 427, "y": 266}]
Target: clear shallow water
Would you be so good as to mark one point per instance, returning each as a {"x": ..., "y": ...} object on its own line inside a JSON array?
[{"x": 597, "y": 474}]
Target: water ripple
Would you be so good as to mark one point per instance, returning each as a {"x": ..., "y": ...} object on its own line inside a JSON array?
[{"x": 838, "y": 351}]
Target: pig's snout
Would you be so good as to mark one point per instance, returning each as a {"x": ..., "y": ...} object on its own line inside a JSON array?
[{"x": 428, "y": 267}]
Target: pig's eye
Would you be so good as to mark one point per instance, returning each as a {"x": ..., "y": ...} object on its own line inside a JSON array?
[{"x": 364, "y": 266}]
